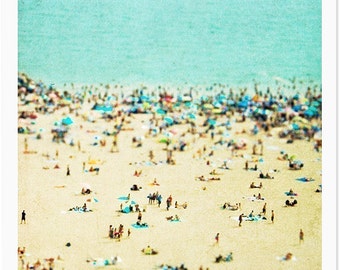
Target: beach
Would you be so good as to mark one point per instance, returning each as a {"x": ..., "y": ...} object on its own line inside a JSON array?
[{"x": 187, "y": 142}]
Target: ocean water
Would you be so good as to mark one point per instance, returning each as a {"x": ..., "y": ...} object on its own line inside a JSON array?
[{"x": 232, "y": 42}]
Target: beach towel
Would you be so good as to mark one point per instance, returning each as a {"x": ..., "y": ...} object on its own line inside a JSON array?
[
  {"x": 283, "y": 258},
  {"x": 255, "y": 199},
  {"x": 106, "y": 262},
  {"x": 126, "y": 210},
  {"x": 80, "y": 210},
  {"x": 174, "y": 220},
  {"x": 136, "y": 226},
  {"x": 291, "y": 194},
  {"x": 254, "y": 218},
  {"x": 305, "y": 179}
]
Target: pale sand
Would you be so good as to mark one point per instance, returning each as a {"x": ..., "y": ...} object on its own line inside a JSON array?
[{"x": 255, "y": 245}]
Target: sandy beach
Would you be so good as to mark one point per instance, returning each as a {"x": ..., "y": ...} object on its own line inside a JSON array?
[{"x": 47, "y": 193}]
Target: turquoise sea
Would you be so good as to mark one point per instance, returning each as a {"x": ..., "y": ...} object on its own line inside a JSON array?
[{"x": 232, "y": 42}]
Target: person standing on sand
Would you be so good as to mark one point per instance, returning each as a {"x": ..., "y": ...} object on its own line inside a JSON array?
[
  {"x": 26, "y": 145},
  {"x": 240, "y": 219},
  {"x": 168, "y": 202},
  {"x": 68, "y": 171},
  {"x": 264, "y": 209},
  {"x": 23, "y": 217},
  {"x": 272, "y": 217},
  {"x": 301, "y": 236},
  {"x": 79, "y": 146},
  {"x": 217, "y": 238}
]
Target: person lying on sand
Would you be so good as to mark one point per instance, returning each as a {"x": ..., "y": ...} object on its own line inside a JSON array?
[
  {"x": 202, "y": 178},
  {"x": 228, "y": 258},
  {"x": 172, "y": 218},
  {"x": 231, "y": 207},
  {"x": 138, "y": 173},
  {"x": 135, "y": 187},
  {"x": 288, "y": 256},
  {"x": 85, "y": 191},
  {"x": 252, "y": 185},
  {"x": 184, "y": 205},
  {"x": 266, "y": 176},
  {"x": 214, "y": 172}
]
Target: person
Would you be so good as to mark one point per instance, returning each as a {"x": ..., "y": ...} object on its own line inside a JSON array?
[
  {"x": 229, "y": 257},
  {"x": 111, "y": 231},
  {"x": 301, "y": 236},
  {"x": 252, "y": 185},
  {"x": 176, "y": 218},
  {"x": 259, "y": 197},
  {"x": 168, "y": 202},
  {"x": 272, "y": 217},
  {"x": 159, "y": 200},
  {"x": 264, "y": 209},
  {"x": 288, "y": 256},
  {"x": 251, "y": 214},
  {"x": 268, "y": 176},
  {"x": 217, "y": 238},
  {"x": 139, "y": 216},
  {"x": 23, "y": 217},
  {"x": 148, "y": 250},
  {"x": 240, "y": 219},
  {"x": 129, "y": 232},
  {"x": 68, "y": 171}
]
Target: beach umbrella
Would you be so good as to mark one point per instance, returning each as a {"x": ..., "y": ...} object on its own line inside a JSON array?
[
  {"x": 309, "y": 113},
  {"x": 67, "y": 121},
  {"x": 212, "y": 122},
  {"x": 217, "y": 111},
  {"x": 318, "y": 136},
  {"x": 188, "y": 104},
  {"x": 168, "y": 120},
  {"x": 208, "y": 106},
  {"x": 192, "y": 116},
  {"x": 144, "y": 98},
  {"x": 160, "y": 111},
  {"x": 295, "y": 126},
  {"x": 242, "y": 104},
  {"x": 164, "y": 140},
  {"x": 186, "y": 98},
  {"x": 230, "y": 102},
  {"x": 300, "y": 119}
]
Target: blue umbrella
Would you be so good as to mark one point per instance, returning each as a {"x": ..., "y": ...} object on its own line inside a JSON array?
[
  {"x": 67, "y": 121},
  {"x": 144, "y": 98},
  {"x": 169, "y": 120},
  {"x": 308, "y": 113},
  {"x": 212, "y": 122},
  {"x": 191, "y": 116},
  {"x": 242, "y": 104},
  {"x": 230, "y": 102},
  {"x": 160, "y": 111}
]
